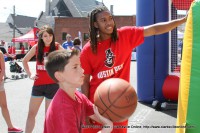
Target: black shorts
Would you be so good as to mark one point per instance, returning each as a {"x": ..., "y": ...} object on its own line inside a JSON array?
[{"x": 47, "y": 91}]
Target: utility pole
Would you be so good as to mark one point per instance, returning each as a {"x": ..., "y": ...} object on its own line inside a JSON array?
[
  {"x": 103, "y": 3},
  {"x": 111, "y": 9},
  {"x": 14, "y": 23}
]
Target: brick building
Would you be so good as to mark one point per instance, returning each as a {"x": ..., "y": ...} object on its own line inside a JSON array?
[
  {"x": 71, "y": 16},
  {"x": 74, "y": 25}
]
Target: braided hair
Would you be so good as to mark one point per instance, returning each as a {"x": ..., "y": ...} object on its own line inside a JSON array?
[
  {"x": 93, "y": 30},
  {"x": 41, "y": 45}
]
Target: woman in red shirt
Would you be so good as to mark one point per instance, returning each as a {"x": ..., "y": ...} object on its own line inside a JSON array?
[{"x": 44, "y": 86}]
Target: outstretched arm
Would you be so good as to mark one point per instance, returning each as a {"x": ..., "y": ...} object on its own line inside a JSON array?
[{"x": 163, "y": 27}]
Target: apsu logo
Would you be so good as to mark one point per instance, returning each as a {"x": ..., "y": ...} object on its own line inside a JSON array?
[{"x": 110, "y": 58}]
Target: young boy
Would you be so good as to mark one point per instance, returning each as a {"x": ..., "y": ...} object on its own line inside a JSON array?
[{"x": 69, "y": 108}]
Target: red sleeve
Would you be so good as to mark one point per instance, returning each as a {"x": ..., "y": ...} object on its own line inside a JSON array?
[
  {"x": 132, "y": 34},
  {"x": 84, "y": 58}
]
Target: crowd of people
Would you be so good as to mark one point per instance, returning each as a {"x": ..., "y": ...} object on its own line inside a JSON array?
[
  {"x": 68, "y": 110},
  {"x": 11, "y": 53}
]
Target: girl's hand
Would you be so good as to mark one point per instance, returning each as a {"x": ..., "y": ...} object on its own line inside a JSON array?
[
  {"x": 33, "y": 76},
  {"x": 107, "y": 124}
]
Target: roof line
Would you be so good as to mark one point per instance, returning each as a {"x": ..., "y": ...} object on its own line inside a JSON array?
[{"x": 76, "y": 8}]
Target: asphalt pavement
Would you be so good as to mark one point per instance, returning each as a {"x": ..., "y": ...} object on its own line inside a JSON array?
[{"x": 145, "y": 119}]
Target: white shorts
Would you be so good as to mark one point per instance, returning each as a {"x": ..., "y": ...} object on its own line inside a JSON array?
[{"x": 2, "y": 86}]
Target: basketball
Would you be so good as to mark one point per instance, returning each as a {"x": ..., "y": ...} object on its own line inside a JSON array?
[{"x": 116, "y": 99}]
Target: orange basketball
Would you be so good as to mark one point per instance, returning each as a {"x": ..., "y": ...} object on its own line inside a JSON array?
[{"x": 116, "y": 99}]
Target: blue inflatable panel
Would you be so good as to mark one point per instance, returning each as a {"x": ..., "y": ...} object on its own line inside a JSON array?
[
  {"x": 161, "y": 49},
  {"x": 145, "y": 53}
]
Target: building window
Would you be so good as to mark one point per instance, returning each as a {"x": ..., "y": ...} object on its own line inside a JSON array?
[
  {"x": 86, "y": 36},
  {"x": 64, "y": 35}
]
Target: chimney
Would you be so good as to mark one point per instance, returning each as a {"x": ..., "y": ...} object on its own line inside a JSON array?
[
  {"x": 111, "y": 9},
  {"x": 47, "y": 11}
]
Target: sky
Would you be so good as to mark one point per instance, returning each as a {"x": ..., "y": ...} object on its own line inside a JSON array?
[{"x": 34, "y": 7}]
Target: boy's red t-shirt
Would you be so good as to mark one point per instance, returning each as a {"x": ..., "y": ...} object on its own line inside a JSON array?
[{"x": 66, "y": 115}]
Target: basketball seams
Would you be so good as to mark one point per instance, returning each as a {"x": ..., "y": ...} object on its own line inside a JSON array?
[
  {"x": 111, "y": 95},
  {"x": 101, "y": 100},
  {"x": 116, "y": 99},
  {"x": 122, "y": 95},
  {"x": 107, "y": 107},
  {"x": 112, "y": 104}
]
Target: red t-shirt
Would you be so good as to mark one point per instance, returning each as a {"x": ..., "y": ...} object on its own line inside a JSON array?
[
  {"x": 9, "y": 50},
  {"x": 22, "y": 50},
  {"x": 43, "y": 77},
  {"x": 112, "y": 59},
  {"x": 66, "y": 115},
  {"x": 13, "y": 50}
]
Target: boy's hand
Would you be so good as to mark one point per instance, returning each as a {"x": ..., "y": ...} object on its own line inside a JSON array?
[{"x": 107, "y": 124}]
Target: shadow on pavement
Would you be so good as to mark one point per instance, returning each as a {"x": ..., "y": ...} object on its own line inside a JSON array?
[{"x": 170, "y": 112}]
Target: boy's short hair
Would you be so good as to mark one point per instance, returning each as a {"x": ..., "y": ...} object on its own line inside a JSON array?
[{"x": 57, "y": 60}]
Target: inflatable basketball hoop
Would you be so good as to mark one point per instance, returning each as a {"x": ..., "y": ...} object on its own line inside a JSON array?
[{"x": 182, "y": 4}]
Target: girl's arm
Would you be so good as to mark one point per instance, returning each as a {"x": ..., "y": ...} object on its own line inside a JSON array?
[
  {"x": 59, "y": 46},
  {"x": 2, "y": 66},
  {"x": 27, "y": 58}
]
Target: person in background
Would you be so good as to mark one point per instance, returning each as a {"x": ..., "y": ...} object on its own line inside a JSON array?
[
  {"x": 111, "y": 48},
  {"x": 9, "y": 50},
  {"x": 22, "y": 49},
  {"x": 22, "y": 54},
  {"x": 69, "y": 107},
  {"x": 29, "y": 48},
  {"x": 44, "y": 86},
  {"x": 9, "y": 56},
  {"x": 77, "y": 43},
  {"x": 3, "y": 50},
  {"x": 3, "y": 101},
  {"x": 13, "y": 50},
  {"x": 68, "y": 43}
]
